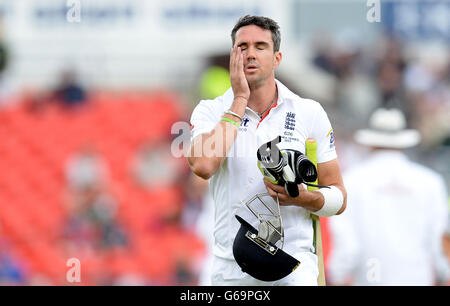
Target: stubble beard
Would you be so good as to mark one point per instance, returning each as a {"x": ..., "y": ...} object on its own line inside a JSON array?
[{"x": 258, "y": 82}]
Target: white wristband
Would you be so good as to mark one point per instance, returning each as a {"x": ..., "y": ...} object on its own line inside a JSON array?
[
  {"x": 229, "y": 112},
  {"x": 333, "y": 201}
]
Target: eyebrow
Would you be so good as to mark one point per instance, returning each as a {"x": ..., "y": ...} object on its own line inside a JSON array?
[{"x": 264, "y": 43}]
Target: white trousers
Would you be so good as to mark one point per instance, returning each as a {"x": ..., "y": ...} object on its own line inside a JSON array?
[{"x": 226, "y": 272}]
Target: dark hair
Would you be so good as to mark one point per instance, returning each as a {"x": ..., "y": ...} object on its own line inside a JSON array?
[{"x": 262, "y": 22}]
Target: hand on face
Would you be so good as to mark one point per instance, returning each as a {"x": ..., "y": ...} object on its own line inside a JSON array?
[{"x": 238, "y": 80}]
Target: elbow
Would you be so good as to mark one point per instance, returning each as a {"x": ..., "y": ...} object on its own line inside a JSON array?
[
  {"x": 202, "y": 170},
  {"x": 203, "y": 173}
]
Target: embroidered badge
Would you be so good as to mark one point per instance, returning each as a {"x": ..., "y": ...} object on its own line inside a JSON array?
[{"x": 289, "y": 124}]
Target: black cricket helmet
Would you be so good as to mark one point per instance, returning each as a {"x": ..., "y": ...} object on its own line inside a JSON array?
[{"x": 261, "y": 259}]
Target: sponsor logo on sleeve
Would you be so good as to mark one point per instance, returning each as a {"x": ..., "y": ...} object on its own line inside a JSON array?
[{"x": 331, "y": 136}]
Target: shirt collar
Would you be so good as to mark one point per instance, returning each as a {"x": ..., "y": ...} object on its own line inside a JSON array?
[{"x": 283, "y": 94}]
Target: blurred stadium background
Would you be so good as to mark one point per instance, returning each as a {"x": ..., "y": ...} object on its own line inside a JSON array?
[{"x": 87, "y": 106}]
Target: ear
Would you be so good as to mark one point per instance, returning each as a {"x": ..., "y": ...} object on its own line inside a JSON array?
[{"x": 278, "y": 56}]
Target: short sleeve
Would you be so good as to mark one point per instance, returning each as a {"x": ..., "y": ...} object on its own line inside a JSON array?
[
  {"x": 323, "y": 133},
  {"x": 204, "y": 118}
]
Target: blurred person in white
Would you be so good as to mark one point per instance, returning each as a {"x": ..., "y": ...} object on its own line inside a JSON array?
[{"x": 391, "y": 233}]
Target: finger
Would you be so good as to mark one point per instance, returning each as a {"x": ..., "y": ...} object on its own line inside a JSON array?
[
  {"x": 272, "y": 193},
  {"x": 269, "y": 186},
  {"x": 238, "y": 59},
  {"x": 301, "y": 187},
  {"x": 233, "y": 57},
  {"x": 285, "y": 199},
  {"x": 282, "y": 199},
  {"x": 267, "y": 182},
  {"x": 241, "y": 60},
  {"x": 276, "y": 188}
]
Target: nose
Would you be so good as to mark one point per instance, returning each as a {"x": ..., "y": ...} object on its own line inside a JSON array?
[{"x": 250, "y": 54}]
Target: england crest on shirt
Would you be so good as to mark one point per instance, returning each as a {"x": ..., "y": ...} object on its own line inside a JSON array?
[{"x": 289, "y": 123}]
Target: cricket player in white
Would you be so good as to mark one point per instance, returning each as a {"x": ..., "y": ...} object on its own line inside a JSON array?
[
  {"x": 391, "y": 233},
  {"x": 226, "y": 134}
]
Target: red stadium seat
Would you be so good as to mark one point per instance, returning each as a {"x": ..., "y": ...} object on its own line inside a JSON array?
[{"x": 33, "y": 154}]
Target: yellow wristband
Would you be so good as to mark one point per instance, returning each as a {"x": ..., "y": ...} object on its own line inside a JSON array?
[{"x": 231, "y": 121}]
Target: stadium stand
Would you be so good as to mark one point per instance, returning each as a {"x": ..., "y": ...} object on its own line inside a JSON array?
[{"x": 34, "y": 150}]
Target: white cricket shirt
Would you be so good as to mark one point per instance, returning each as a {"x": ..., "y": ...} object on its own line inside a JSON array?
[{"x": 238, "y": 179}]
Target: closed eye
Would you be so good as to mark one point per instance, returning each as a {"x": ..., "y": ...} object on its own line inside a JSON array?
[
  {"x": 262, "y": 45},
  {"x": 243, "y": 46}
]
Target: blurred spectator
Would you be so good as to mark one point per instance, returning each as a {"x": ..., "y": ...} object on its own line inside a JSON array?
[
  {"x": 130, "y": 279},
  {"x": 92, "y": 226},
  {"x": 353, "y": 92},
  {"x": 391, "y": 233},
  {"x": 184, "y": 272},
  {"x": 5, "y": 87},
  {"x": 69, "y": 92},
  {"x": 205, "y": 230},
  {"x": 389, "y": 77},
  {"x": 4, "y": 52},
  {"x": 388, "y": 72},
  {"x": 427, "y": 80},
  {"x": 198, "y": 216},
  {"x": 12, "y": 271},
  {"x": 86, "y": 171},
  {"x": 339, "y": 55},
  {"x": 154, "y": 166},
  {"x": 195, "y": 190},
  {"x": 92, "y": 210}
]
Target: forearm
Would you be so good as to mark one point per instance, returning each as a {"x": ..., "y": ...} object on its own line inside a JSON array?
[
  {"x": 310, "y": 200},
  {"x": 314, "y": 201},
  {"x": 208, "y": 151}
]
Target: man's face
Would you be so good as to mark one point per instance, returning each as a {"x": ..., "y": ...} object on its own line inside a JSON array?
[{"x": 259, "y": 59}]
